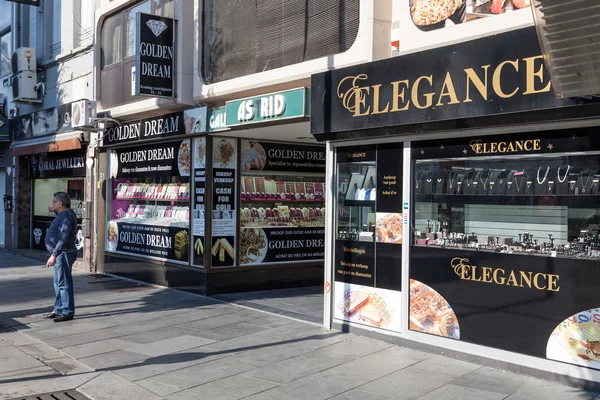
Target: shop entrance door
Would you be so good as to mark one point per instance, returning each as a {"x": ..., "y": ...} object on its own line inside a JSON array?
[{"x": 2, "y": 213}]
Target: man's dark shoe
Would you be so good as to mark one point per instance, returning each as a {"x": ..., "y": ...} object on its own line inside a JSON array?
[
  {"x": 62, "y": 318},
  {"x": 51, "y": 315}
]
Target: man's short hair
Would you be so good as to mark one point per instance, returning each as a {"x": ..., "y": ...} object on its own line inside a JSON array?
[{"x": 64, "y": 198}]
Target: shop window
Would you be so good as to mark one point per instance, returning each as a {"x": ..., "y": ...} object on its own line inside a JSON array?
[
  {"x": 545, "y": 206},
  {"x": 44, "y": 189},
  {"x": 269, "y": 34},
  {"x": 5, "y": 38},
  {"x": 118, "y": 49}
]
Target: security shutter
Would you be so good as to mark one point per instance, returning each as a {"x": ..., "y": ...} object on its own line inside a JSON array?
[
  {"x": 2, "y": 212},
  {"x": 251, "y": 36}
]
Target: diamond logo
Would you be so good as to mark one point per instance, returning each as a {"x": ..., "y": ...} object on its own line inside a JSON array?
[{"x": 157, "y": 27}]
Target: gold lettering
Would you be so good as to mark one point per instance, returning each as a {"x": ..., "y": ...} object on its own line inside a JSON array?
[
  {"x": 536, "y": 283},
  {"x": 528, "y": 145},
  {"x": 361, "y": 101},
  {"x": 487, "y": 274},
  {"x": 478, "y": 147},
  {"x": 494, "y": 147},
  {"x": 376, "y": 109},
  {"x": 536, "y": 144},
  {"x": 399, "y": 94},
  {"x": 428, "y": 96},
  {"x": 499, "y": 280},
  {"x": 525, "y": 277},
  {"x": 497, "y": 79},
  {"x": 519, "y": 146},
  {"x": 482, "y": 87},
  {"x": 448, "y": 90},
  {"x": 512, "y": 278},
  {"x": 474, "y": 274},
  {"x": 531, "y": 74},
  {"x": 553, "y": 283},
  {"x": 502, "y": 147},
  {"x": 511, "y": 147}
]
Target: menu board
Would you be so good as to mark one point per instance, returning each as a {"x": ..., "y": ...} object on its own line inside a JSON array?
[
  {"x": 224, "y": 202},
  {"x": 269, "y": 156},
  {"x": 198, "y": 201},
  {"x": 165, "y": 159},
  {"x": 274, "y": 245}
]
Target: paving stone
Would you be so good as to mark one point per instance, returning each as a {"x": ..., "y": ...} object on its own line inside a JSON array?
[
  {"x": 453, "y": 392},
  {"x": 350, "y": 349},
  {"x": 68, "y": 366},
  {"x": 29, "y": 387},
  {"x": 113, "y": 359},
  {"x": 408, "y": 383},
  {"x": 109, "y": 386},
  {"x": 154, "y": 335},
  {"x": 544, "y": 390},
  {"x": 172, "y": 345},
  {"x": 493, "y": 380},
  {"x": 160, "y": 388},
  {"x": 13, "y": 359},
  {"x": 231, "y": 388},
  {"x": 214, "y": 322},
  {"x": 447, "y": 366},
  {"x": 99, "y": 347},
  {"x": 43, "y": 371},
  {"x": 291, "y": 369},
  {"x": 360, "y": 395},
  {"x": 17, "y": 339},
  {"x": 198, "y": 374},
  {"x": 85, "y": 337},
  {"x": 41, "y": 351},
  {"x": 231, "y": 331}
]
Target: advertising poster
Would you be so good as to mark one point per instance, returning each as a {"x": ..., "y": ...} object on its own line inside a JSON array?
[
  {"x": 157, "y": 241},
  {"x": 165, "y": 159},
  {"x": 198, "y": 201},
  {"x": 155, "y": 55},
  {"x": 224, "y": 202},
  {"x": 379, "y": 308},
  {"x": 355, "y": 262},
  {"x": 537, "y": 306},
  {"x": 272, "y": 245},
  {"x": 194, "y": 120},
  {"x": 269, "y": 156}
]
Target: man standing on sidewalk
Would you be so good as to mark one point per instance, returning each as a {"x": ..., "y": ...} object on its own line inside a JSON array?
[{"x": 60, "y": 242}]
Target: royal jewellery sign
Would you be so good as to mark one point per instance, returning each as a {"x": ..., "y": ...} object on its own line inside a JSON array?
[
  {"x": 491, "y": 76},
  {"x": 155, "y": 56}
]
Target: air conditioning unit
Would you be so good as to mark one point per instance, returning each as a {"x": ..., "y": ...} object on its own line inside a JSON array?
[
  {"x": 23, "y": 59},
  {"x": 23, "y": 88},
  {"x": 82, "y": 112}
]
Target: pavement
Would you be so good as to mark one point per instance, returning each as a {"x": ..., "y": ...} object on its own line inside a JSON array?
[{"x": 132, "y": 341}]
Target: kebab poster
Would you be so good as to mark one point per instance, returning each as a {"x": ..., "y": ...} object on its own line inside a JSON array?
[
  {"x": 274, "y": 245},
  {"x": 375, "y": 307},
  {"x": 270, "y": 156},
  {"x": 198, "y": 200},
  {"x": 224, "y": 202}
]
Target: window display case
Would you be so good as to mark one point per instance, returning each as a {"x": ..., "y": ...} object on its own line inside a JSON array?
[
  {"x": 149, "y": 202},
  {"x": 546, "y": 205},
  {"x": 356, "y": 201}
]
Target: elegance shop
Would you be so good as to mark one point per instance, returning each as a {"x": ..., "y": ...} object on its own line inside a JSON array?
[{"x": 465, "y": 213}]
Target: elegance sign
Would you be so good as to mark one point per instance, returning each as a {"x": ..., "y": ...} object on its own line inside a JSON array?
[
  {"x": 155, "y": 56},
  {"x": 516, "y": 146},
  {"x": 274, "y": 106},
  {"x": 499, "y": 276},
  {"x": 495, "y": 75}
]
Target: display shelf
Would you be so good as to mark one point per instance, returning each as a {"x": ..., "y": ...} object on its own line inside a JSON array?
[
  {"x": 359, "y": 203},
  {"x": 557, "y": 200},
  {"x": 182, "y": 200}
]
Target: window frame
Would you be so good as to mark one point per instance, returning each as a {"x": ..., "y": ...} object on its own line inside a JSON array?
[{"x": 7, "y": 30}]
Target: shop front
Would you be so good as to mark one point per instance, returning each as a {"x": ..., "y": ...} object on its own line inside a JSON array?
[
  {"x": 465, "y": 213},
  {"x": 50, "y": 157},
  {"x": 191, "y": 202}
]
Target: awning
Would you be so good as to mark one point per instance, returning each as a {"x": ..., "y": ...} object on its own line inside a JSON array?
[{"x": 47, "y": 144}]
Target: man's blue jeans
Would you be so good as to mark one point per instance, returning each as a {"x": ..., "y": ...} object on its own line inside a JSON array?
[{"x": 63, "y": 284}]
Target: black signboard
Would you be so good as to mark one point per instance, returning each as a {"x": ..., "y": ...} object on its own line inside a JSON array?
[
  {"x": 149, "y": 240},
  {"x": 506, "y": 301},
  {"x": 198, "y": 204},
  {"x": 149, "y": 128},
  {"x": 280, "y": 245},
  {"x": 41, "y": 123},
  {"x": 58, "y": 164},
  {"x": 155, "y": 56},
  {"x": 492, "y": 76},
  {"x": 4, "y": 129},
  {"x": 165, "y": 159},
  {"x": 269, "y": 156},
  {"x": 389, "y": 178},
  {"x": 355, "y": 262},
  {"x": 356, "y": 154}
]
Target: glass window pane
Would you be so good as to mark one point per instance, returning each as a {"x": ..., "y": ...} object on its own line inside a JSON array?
[
  {"x": 130, "y": 21},
  {"x": 5, "y": 54},
  {"x": 5, "y": 13},
  {"x": 112, "y": 40},
  {"x": 56, "y": 27},
  {"x": 165, "y": 8}
]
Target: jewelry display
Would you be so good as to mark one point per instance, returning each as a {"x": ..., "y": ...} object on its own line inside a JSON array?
[
  {"x": 487, "y": 177},
  {"x": 545, "y": 175},
  {"x": 589, "y": 176},
  {"x": 565, "y": 176}
]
